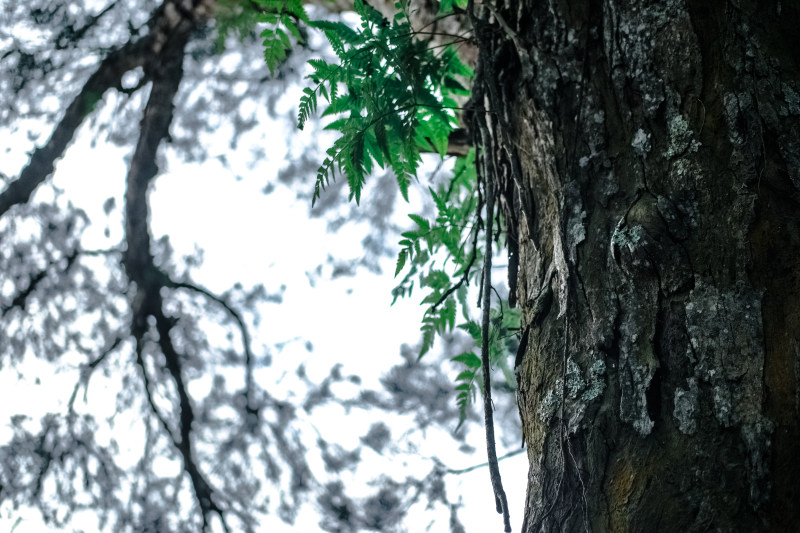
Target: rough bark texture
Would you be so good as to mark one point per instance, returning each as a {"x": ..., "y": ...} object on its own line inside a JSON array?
[{"x": 660, "y": 145}]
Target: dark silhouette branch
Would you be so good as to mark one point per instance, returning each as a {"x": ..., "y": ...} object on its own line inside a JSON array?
[
  {"x": 148, "y": 392},
  {"x": 88, "y": 369},
  {"x": 237, "y": 317},
  {"x": 107, "y": 76},
  {"x": 141, "y": 52},
  {"x": 170, "y": 29},
  {"x": 20, "y": 300}
]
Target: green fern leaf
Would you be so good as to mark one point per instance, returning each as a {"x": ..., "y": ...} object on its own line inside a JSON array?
[
  {"x": 401, "y": 262},
  {"x": 465, "y": 375},
  {"x": 342, "y": 31},
  {"x": 428, "y": 334},
  {"x": 469, "y": 359}
]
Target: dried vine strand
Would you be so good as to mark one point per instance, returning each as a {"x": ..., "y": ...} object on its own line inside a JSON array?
[
  {"x": 488, "y": 417},
  {"x": 487, "y": 174}
]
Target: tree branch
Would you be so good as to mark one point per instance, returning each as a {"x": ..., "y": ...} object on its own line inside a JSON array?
[
  {"x": 170, "y": 19},
  {"x": 20, "y": 300},
  {"x": 248, "y": 354},
  {"x": 87, "y": 370},
  {"x": 469, "y": 469},
  {"x": 107, "y": 76},
  {"x": 165, "y": 67},
  {"x": 487, "y": 175}
]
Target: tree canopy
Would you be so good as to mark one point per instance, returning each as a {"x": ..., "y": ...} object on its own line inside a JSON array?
[{"x": 207, "y": 429}]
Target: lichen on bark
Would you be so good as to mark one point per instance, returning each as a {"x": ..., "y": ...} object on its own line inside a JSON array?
[{"x": 659, "y": 143}]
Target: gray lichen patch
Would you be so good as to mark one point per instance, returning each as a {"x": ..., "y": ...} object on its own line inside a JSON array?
[
  {"x": 726, "y": 338},
  {"x": 583, "y": 387},
  {"x": 637, "y": 359},
  {"x": 681, "y": 138},
  {"x": 573, "y": 395},
  {"x": 580, "y": 387},
  {"x": 641, "y": 142},
  {"x": 633, "y": 402},
  {"x": 596, "y": 379},
  {"x": 639, "y": 38},
  {"x": 686, "y": 408},
  {"x": 575, "y": 381},
  {"x": 791, "y": 99},
  {"x": 727, "y": 345},
  {"x": 550, "y": 402},
  {"x": 637, "y": 285},
  {"x": 734, "y": 103}
]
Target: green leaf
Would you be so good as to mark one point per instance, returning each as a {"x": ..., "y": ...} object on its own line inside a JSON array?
[
  {"x": 473, "y": 328},
  {"x": 390, "y": 97},
  {"x": 449, "y": 314},
  {"x": 268, "y": 18},
  {"x": 401, "y": 262},
  {"x": 340, "y": 29},
  {"x": 428, "y": 335},
  {"x": 382, "y": 138},
  {"x": 465, "y": 375},
  {"x": 424, "y": 225},
  {"x": 469, "y": 359}
]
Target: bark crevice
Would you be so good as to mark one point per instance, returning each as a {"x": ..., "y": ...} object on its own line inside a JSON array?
[{"x": 655, "y": 152}]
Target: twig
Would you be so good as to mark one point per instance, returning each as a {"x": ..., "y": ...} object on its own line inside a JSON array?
[
  {"x": 87, "y": 370},
  {"x": 20, "y": 300},
  {"x": 242, "y": 328},
  {"x": 482, "y": 465}
]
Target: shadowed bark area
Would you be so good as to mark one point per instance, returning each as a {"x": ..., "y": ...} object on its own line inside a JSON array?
[{"x": 658, "y": 224}]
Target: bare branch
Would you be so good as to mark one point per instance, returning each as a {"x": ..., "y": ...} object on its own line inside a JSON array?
[
  {"x": 459, "y": 471},
  {"x": 248, "y": 354},
  {"x": 171, "y": 33},
  {"x": 170, "y": 20},
  {"x": 87, "y": 370},
  {"x": 20, "y": 300},
  {"x": 107, "y": 76},
  {"x": 148, "y": 391}
]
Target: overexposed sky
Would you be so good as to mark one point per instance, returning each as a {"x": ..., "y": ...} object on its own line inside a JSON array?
[{"x": 249, "y": 237}]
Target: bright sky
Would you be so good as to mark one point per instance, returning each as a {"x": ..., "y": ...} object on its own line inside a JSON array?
[{"x": 251, "y": 238}]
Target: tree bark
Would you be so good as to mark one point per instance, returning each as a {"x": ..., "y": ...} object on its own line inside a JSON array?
[{"x": 657, "y": 209}]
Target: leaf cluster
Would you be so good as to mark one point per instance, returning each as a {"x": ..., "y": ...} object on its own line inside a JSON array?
[
  {"x": 393, "y": 95},
  {"x": 443, "y": 257},
  {"x": 281, "y": 17},
  {"x": 504, "y": 323}
]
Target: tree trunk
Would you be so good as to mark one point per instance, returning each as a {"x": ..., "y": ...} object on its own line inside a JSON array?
[{"x": 656, "y": 208}]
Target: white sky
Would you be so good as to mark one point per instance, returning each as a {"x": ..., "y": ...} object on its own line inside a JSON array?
[{"x": 249, "y": 237}]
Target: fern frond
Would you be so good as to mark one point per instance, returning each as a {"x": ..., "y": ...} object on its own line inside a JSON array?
[
  {"x": 308, "y": 104},
  {"x": 342, "y": 31},
  {"x": 368, "y": 13},
  {"x": 353, "y": 162},
  {"x": 274, "y": 47}
]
